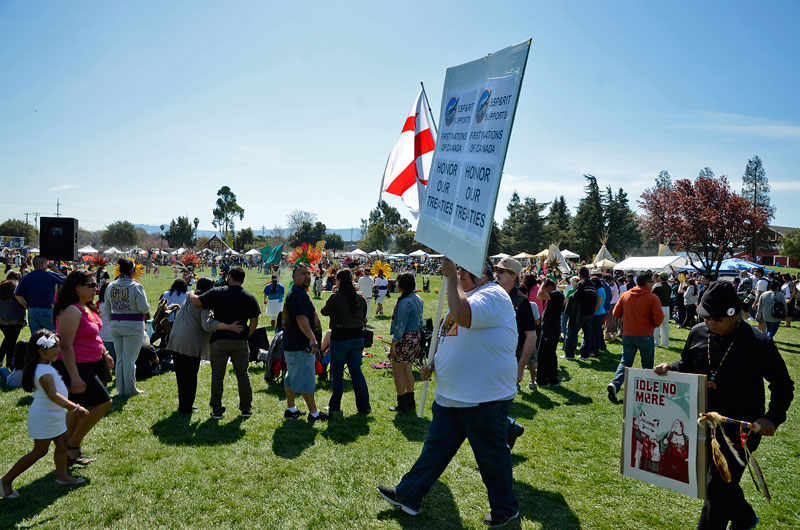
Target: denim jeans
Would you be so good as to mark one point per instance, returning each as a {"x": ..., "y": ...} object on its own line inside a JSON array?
[
  {"x": 40, "y": 317},
  {"x": 630, "y": 345},
  {"x": 772, "y": 328},
  {"x": 583, "y": 322},
  {"x": 348, "y": 351},
  {"x": 485, "y": 426},
  {"x": 597, "y": 334}
]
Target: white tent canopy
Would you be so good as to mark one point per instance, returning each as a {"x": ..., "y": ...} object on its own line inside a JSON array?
[
  {"x": 112, "y": 250},
  {"x": 419, "y": 253},
  {"x": 88, "y": 249},
  {"x": 501, "y": 255},
  {"x": 652, "y": 263},
  {"x": 252, "y": 252},
  {"x": 569, "y": 254},
  {"x": 523, "y": 255},
  {"x": 33, "y": 250},
  {"x": 377, "y": 253},
  {"x": 357, "y": 252}
]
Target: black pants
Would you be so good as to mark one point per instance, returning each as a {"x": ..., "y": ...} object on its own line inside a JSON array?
[
  {"x": 186, "y": 368},
  {"x": 547, "y": 373},
  {"x": 681, "y": 308},
  {"x": 10, "y": 335},
  {"x": 726, "y": 500},
  {"x": 691, "y": 312}
]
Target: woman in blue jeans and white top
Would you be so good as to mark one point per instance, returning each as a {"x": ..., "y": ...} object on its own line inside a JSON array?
[
  {"x": 129, "y": 309},
  {"x": 406, "y": 333},
  {"x": 347, "y": 311}
]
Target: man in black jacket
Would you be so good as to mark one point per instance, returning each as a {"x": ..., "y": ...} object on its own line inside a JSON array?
[{"x": 737, "y": 359}]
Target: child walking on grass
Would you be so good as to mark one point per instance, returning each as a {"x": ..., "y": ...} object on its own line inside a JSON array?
[{"x": 47, "y": 415}]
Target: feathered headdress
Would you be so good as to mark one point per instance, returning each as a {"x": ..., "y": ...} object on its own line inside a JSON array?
[
  {"x": 97, "y": 260},
  {"x": 306, "y": 254},
  {"x": 191, "y": 259},
  {"x": 381, "y": 266},
  {"x": 138, "y": 272}
]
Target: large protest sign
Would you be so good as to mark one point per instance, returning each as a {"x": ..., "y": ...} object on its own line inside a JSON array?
[
  {"x": 12, "y": 242},
  {"x": 662, "y": 443},
  {"x": 479, "y": 101}
]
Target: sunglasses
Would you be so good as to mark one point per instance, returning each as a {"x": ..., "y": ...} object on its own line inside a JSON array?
[{"x": 92, "y": 285}]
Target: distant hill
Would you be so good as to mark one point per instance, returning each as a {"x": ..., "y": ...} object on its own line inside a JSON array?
[{"x": 344, "y": 232}]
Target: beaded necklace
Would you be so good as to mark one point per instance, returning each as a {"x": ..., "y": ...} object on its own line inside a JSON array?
[{"x": 711, "y": 383}]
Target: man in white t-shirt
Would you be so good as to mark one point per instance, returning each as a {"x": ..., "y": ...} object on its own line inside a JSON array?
[
  {"x": 364, "y": 286},
  {"x": 476, "y": 369},
  {"x": 761, "y": 286}
]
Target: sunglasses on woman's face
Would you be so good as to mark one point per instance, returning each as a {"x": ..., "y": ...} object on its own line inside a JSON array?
[{"x": 93, "y": 285}]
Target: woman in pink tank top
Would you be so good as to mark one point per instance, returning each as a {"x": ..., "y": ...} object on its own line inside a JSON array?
[{"x": 83, "y": 359}]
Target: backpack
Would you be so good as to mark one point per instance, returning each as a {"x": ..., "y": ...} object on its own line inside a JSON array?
[{"x": 778, "y": 306}]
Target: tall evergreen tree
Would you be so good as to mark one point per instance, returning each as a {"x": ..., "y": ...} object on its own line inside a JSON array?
[
  {"x": 664, "y": 180},
  {"x": 706, "y": 172},
  {"x": 588, "y": 225},
  {"x": 755, "y": 188},
  {"x": 523, "y": 229},
  {"x": 623, "y": 227},
  {"x": 494, "y": 239},
  {"x": 557, "y": 221}
]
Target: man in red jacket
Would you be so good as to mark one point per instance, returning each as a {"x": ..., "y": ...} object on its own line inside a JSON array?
[{"x": 641, "y": 314}]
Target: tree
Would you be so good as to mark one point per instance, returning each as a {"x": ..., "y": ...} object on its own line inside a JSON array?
[
  {"x": 494, "y": 240},
  {"x": 791, "y": 243},
  {"x": 244, "y": 239},
  {"x": 384, "y": 223},
  {"x": 557, "y": 221},
  {"x": 705, "y": 218},
  {"x": 195, "y": 223},
  {"x": 307, "y": 233},
  {"x": 120, "y": 234},
  {"x": 523, "y": 228},
  {"x": 19, "y": 228},
  {"x": 296, "y": 218},
  {"x": 621, "y": 222},
  {"x": 333, "y": 241},
  {"x": 226, "y": 211},
  {"x": 277, "y": 234},
  {"x": 755, "y": 188},
  {"x": 180, "y": 233},
  {"x": 404, "y": 242},
  {"x": 664, "y": 180},
  {"x": 706, "y": 173},
  {"x": 588, "y": 223}
]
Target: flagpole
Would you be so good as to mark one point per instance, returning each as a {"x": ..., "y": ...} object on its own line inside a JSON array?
[
  {"x": 430, "y": 112},
  {"x": 433, "y": 346}
]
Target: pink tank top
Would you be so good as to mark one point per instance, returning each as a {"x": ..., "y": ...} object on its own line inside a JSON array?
[{"x": 88, "y": 345}]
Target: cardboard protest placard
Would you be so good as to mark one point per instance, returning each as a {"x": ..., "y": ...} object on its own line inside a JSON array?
[
  {"x": 662, "y": 443},
  {"x": 479, "y": 101}
]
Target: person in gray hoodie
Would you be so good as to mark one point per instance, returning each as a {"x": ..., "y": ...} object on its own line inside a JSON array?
[{"x": 129, "y": 310}]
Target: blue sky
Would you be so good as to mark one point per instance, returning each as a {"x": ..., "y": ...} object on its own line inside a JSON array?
[{"x": 143, "y": 110}]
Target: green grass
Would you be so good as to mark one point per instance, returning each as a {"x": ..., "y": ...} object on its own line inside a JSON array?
[{"x": 156, "y": 469}]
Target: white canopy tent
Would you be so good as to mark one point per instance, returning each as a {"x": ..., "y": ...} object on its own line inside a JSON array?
[
  {"x": 652, "y": 263},
  {"x": 436, "y": 255},
  {"x": 501, "y": 255},
  {"x": 88, "y": 249},
  {"x": 524, "y": 255},
  {"x": 357, "y": 252},
  {"x": 32, "y": 251},
  {"x": 252, "y": 252},
  {"x": 112, "y": 250},
  {"x": 568, "y": 254},
  {"x": 377, "y": 254},
  {"x": 419, "y": 253}
]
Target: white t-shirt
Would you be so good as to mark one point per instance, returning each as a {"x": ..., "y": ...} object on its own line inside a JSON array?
[
  {"x": 381, "y": 283},
  {"x": 762, "y": 285},
  {"x": 174, "y": 298},
  {"x": 479, "y": 363},
  {"x": 40, "y": 399},
  {"x": 365, "y": 285}
]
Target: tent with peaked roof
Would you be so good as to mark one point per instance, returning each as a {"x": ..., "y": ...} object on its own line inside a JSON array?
[
  {"x": 554, "y": 256},
  {"x": 603, "y": 253},
  {"x": 501, "y": 255},
  {"x": 523, "y": 255},
  {"x": 419, "y": 253},
  {"x": 650, "y": 263},
  {"x": 568, "y": 254},
  {"x": 88, "y": 249},
  {"x": 664, "y": 250}
]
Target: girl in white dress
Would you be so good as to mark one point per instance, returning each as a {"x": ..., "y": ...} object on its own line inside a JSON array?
[{"x": 47, "y": 415}]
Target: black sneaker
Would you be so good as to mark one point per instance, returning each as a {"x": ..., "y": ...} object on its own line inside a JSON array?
[
  {"x": 389, "y": 496},
  {"x": 289, "y": 415},
  {"x": 321, "y": 417},
  {"x": 612, "y": 393},
  {"x": 499, "y": 521},
  {"x": 513, "y": 438},
  {"x": 216, "y": 415},
  {"x": 247, "y": 413}
]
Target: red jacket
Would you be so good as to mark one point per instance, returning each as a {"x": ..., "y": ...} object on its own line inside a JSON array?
[{"x": 640, "y": 311}]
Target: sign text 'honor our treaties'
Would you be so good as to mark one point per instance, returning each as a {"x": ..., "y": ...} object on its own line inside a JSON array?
[{"x": 479, "y": 101}]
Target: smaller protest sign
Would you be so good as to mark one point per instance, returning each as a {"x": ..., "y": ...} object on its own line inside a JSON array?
[{"x": 662, "y": 443}]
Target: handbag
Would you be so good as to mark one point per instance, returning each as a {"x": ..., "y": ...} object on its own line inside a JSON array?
[
  {"x": 103, "y": 371},
  {"x": 369, "y": 336}
]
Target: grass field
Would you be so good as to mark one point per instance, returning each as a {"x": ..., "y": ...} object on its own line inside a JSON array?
[{"x": 156, "y": 469}]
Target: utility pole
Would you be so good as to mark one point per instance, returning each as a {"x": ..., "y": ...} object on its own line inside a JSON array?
[
  {"x": 26, "y": 218},
  {"x": 263, "y": 231},
  {"x": 58, "y": 207}
]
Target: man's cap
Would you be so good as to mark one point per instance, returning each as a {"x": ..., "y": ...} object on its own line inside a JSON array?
[
  {"x": 596, "y": 272},
  {"x": 719, "y": 300},
  {"x": 664, "y": 276},
  {"x": 510, "y": 264}
]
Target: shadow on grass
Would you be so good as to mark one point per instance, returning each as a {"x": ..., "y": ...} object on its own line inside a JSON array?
[
  {"x": 33, "y": 498},
  {"x": 540, "y": 399},
  {"x": 438, "y": 511},
  {"x": 413, "y": 428},
  {"x": 178, "y": 429},
  {"x": 549, "y": 509},
  {"x": 275, "y": 389},
  {"x": 293, "y": 437},
  {"x": 522, "y": 410},
  {"x": 25, "y": 400},
  {"x": 347, "y": 430},
  {"x": 572, "y": 397}
]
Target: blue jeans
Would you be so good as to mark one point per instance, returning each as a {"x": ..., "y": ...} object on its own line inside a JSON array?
[
  {"x": 583, "y": 322},
  {"x": 630, "y": 345},
  {"x": 40, "y": 317},
  {"x": 597, "y": 334},
  {"x": 772, "y": 328},
  {"x": 348, "y": 351},
  {"x": 485, "y": 426}
]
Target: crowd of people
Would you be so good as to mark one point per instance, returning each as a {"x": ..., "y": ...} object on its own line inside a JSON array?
[{"x": 500, "y": 326}]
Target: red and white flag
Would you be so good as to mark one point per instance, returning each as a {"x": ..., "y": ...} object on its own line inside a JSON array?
[{"x": 409, "y": 164}]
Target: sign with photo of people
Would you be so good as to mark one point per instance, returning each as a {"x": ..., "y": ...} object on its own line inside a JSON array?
[{"x": 662, "y": 442}]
